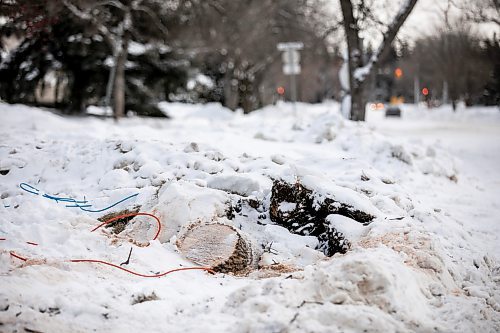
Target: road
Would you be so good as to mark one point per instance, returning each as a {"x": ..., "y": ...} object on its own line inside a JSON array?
[{"x": 472, "y": 136}]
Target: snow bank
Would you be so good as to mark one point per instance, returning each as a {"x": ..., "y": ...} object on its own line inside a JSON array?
[
  {"x": 422, "y": 265},
  {"x": 209, "y": 111},
  {"x": 367, "y": 290}
]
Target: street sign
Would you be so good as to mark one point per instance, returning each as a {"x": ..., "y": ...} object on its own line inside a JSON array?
[
  {"x": 290, "y": 46},
  {"x": 291, "y": 63},
  {"x": 291, "y": 57},
  {"x": 291, "y": 69}
]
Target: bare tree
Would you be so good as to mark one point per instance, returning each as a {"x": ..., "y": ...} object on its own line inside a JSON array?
[
  {"x": 240, "y": 38},
  {"x": 359, "y": 71},
  {"x": 453, "y": 57},
  {"x": 479, "y": 11}
]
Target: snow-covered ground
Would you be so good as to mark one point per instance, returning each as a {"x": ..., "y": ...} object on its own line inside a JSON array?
[{"x": 429, "y": 261}]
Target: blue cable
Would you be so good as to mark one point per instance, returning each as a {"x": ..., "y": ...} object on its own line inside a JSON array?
[
  {"x": 62, "y": 199},
  {"x": 103, "y": 209},
  {"x": 30, "y": 187},
  {"x": 74, "y": 203},
  {"x": 33, "y": 190}
]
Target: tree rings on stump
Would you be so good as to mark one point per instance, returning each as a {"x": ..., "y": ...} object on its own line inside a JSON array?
[{"x": 218, "y": 246}]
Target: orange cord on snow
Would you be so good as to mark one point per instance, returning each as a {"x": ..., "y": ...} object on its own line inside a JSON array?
[
  {"x": 145, "y": 275},
  {"x": 207, "y": 269},
  {"x": 30, "y": 243},
  {"x": 129, "y": 215},
  {"x": 18, "y": 257}
]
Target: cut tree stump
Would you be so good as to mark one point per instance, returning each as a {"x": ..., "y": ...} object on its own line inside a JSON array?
[{"x": 218, "y": 246}]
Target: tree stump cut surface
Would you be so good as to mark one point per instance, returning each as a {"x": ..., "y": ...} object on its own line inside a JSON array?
[{"x": 218, "y": 246}]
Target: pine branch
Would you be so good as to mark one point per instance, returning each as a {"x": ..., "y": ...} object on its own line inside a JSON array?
[{"x": 88, "y": 17}]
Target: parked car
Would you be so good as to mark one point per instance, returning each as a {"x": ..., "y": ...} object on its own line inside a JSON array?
[
  {"x": 393, "y": 111},
  {"x": 378, "y": 106}
]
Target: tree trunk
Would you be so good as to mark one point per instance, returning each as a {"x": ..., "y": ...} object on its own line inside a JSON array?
[
  {"x": 57, "y": 87},
  {"x": 246, "y": 95},
  {"x": 76, "y": 96},
  {"x": 358, "y": 104},
  {"x": 231, "y": 93},
  {"x": 355, "y": 60},
  {"x": 119, "y": 89}
]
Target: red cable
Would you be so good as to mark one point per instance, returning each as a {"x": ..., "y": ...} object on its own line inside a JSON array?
[
  {"x": 18, "y": 257},
  {"x": 30, "y": 243},
  {"x": 129, "y": 215},
  {"x": 144, "y": 275},
  {"x": 207, "y": 269}
]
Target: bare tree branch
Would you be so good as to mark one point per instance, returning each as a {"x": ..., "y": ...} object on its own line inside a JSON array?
[
  {"x": 358, "y": 72},
  {"x": 155, "y": 19},
  {"x": 385, "y": 46},
  {"x": 113, "y": 3},
  {"x": 479, "y": 11},
  {"x": 332, "y": 29}
]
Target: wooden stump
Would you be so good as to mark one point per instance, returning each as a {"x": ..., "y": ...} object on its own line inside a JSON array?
[
  {"x": 296, "y": 208},
  {"x": 218, "y": 246}
]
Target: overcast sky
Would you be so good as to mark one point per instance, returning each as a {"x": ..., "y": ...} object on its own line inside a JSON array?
[
  {"x": 428, "y": 15},
  {"x": 425, "y": 19}
]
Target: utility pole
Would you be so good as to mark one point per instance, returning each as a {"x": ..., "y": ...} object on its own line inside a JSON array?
[
  {"x": 416, "y": 90},
  {"x": 445, "y": 92}
]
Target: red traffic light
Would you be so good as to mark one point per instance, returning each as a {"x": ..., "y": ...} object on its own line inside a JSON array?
[
  {"x": 398, "y": 73},
  {"x": 425, "y": 91}
]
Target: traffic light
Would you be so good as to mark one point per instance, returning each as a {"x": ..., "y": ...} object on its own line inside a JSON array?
[{"x": 398, "y": 73}]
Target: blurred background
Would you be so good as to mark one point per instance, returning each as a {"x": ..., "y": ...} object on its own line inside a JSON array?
[{"x": 129, "y": 55}]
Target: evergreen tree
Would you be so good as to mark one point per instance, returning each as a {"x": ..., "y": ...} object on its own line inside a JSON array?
[{"x": 82, "y": 55}]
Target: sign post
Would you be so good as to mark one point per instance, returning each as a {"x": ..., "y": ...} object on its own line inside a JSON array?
[{"x": 291, "y": 64}]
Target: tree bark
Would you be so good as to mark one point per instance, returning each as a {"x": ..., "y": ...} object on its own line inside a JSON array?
[
  {"x": 77, "y": 101},
  {"x": 354, "y": 57},
  {"x": 246, "y": 95},
  {"x": 57, "y": 87},
  {"x": 358, "y": 104},
  {"x": 119, "y": 88},
  {"x": 231, "y": 93}
]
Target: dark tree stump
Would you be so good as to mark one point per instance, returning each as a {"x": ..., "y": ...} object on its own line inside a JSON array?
[{"x": 298, "y": 209}]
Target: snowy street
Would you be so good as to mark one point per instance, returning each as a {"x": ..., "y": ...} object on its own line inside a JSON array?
[{"x": 474, "y": 139}]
